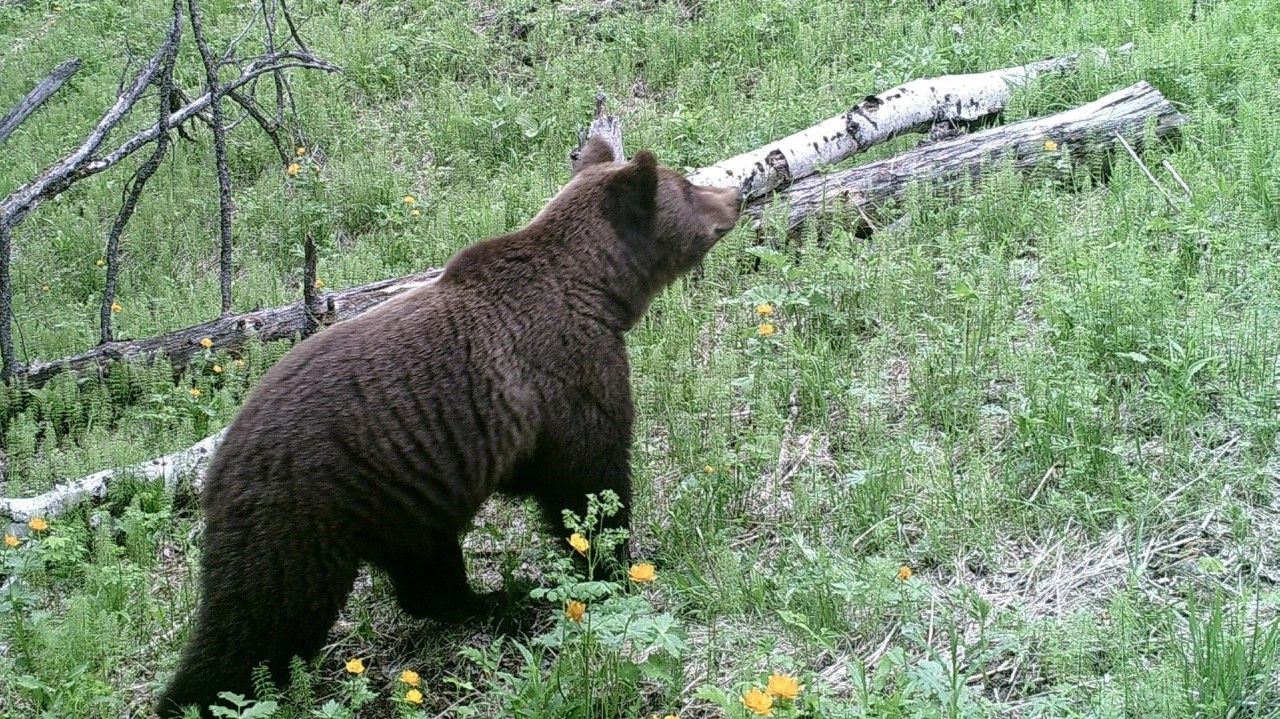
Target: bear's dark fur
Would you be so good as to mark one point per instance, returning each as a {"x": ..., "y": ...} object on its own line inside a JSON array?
[{"x": 378, "y": 439}]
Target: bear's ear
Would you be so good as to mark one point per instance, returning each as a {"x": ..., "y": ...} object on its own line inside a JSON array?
[
  {"x": 631, "y": 193},
  {"x": 594, "y": 152}
]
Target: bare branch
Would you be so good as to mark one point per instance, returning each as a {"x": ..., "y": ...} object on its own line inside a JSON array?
[
  {"x": 37, "y": 97},
  {"x": 268, "y": 126},
  {"x": 134, "y": 188},
  {"x": 225, "y": 203},
  {"x": 53, "y": 180}
]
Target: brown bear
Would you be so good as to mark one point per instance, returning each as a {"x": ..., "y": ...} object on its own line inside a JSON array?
[{"x": 378, "y": 439}]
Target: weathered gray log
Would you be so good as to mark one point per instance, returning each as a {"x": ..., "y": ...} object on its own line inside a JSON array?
[
  {"x": 234, "y": 331},
  {"x": 1039, "y": 142},
  {"x": 37, "y": 97}
]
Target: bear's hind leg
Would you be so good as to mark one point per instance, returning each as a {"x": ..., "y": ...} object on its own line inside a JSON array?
[{"x": 264, "y": 605}]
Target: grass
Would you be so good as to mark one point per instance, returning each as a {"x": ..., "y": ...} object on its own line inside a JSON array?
[{"x": 1057, "y": 405}]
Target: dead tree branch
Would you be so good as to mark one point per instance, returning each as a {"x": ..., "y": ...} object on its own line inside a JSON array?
[
  {"x": 88, "y": 159},
  {"x": 78, "y": 165},
  {"x": 225, "y": 203},
  {"x": 133, "y": 190},
  {"x": 37, "y": 97}
]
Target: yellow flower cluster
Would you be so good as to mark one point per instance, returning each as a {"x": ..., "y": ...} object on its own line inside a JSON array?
[
  {"x": 766, "y": 329},
  {"x": 642, "y": 573},
  {"x": 355, "y": 666},
  {"x": 410, "y": 678},
  {"x": 780, "y": 686},
  {"x": 11, "y": 541},
  {"x": 206, "y": 343},
  {"x": 574, "y": 610},
  {"x": 579, "y": 543},
  {"x": 904, "y": 573},
  {"x": 38, "y": 524}
]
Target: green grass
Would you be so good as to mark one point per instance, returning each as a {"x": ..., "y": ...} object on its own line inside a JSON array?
[{"x": 1056, "y": 404}]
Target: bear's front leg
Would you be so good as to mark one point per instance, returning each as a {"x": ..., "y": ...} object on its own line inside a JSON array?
[
  {"x": 567, "y": 474},
  {"x": 431, "y": 582}
]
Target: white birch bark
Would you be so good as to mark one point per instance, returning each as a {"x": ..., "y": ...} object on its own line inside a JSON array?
[{"x": 914, "y": 106}]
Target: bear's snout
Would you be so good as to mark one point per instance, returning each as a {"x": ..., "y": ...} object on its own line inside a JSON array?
[{"x": 725, "y": 207}]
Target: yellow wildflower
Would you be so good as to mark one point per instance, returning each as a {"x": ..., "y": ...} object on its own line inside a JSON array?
[
  {"x": 44, "y": 288},
  {"x": 410, "y": 200},
  {"x": 410, "y": 677},
  {"x": 579, "y": 543},
  {"x": 217, "y": 369},
  {"x": 293, "y": 169},
  {"x": 904, "y": 573},
  {"x": 783, "y": 686},
  {"x": 300, "y": 151},
  {"x": 38, "y": 524},
  {"x": 764, "y": 310},
  {"x": 239, "y": 364},
  {"x": 116, "y": 308},
  {"x": 318, "y": 284},
  {"x": 101, "y": 262},
  {"x": 11, "y": 541},
  {"x": 413, "y": 696},
  {"x": 355, "y": 666},
  {"x": 415, "y": 212},
  {"x": 1050, "y": 146},
  {"x": 642, "y": 573},
  {"x": 709, "y": 469},
  {"x": 758, "y": 702},
  {"x": 206, "y": 343},
  {"x": 195, "y": 391},
  {"x": 575, "y": 610},
  {"x": 765, "y": 329}
]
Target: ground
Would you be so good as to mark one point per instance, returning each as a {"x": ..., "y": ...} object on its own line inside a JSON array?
[{"x": 1016, "y": 457}]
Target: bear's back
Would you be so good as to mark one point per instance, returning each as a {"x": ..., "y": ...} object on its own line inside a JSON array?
[{"x": 425, "y": 400}]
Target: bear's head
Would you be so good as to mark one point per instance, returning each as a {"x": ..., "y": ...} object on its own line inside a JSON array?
[{"x": 662, "y": 219}]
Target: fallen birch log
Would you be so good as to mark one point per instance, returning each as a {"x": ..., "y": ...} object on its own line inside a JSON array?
[
  {"x": 169, "y": 469},
  {"x": 1066, "y": 136},
  {"x": 945, "y": 165},
  {"x": 37, "y": 97},
  {"x": 234, "y": 331},
  {"x": 915, "y": 106}
]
